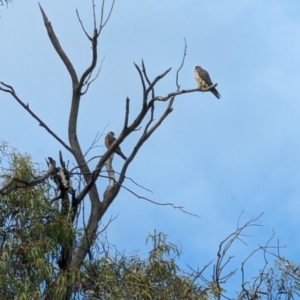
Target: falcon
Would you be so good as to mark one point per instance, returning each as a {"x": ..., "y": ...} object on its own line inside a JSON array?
[
  {"x": 204, "y": 81},
  {"x": 108, "y": 141}
]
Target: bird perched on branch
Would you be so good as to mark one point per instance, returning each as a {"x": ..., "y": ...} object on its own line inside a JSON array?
[
  {"x": 109, "y": 140},
  {"x": 204, "y": 81}
]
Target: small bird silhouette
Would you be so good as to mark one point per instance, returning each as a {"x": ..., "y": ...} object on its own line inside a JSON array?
[
  {"x": 109, "y": 140},
  {"x": 204, "y": 81}
]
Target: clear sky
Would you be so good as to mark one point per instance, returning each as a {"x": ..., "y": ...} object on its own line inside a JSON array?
[{"x": 216, "y": 158}]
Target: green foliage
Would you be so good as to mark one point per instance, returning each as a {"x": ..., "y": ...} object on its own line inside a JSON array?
[
  {"x": 34, "y": 234},
  {"x": 156, "y": 277},
  {"x": 30, "y": 231}
]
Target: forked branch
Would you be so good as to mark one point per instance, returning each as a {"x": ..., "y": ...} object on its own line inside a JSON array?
[{"x": 147, "y": 109}]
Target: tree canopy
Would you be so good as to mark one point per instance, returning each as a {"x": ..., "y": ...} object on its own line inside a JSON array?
[{"x": 36, "y": 236}]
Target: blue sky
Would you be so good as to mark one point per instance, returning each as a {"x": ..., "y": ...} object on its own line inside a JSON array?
[{"x": 215, "y": 158}]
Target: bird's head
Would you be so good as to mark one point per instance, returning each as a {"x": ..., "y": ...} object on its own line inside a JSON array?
[
  {"x": 111, "y": 133},
  {"x": 197, "y": 67}
]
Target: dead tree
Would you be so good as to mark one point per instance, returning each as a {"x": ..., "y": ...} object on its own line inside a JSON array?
[{"x": 71, "y": 256}]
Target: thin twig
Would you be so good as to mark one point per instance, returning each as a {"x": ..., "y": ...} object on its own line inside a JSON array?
[
  {"x": 181, "y": 66},
  {"x": 79, "y": 19},
  {"x": 134, "y": 182},
  {"x": 88, "y": 82},
  {"x": 126, "y": 114},
  {"x": 146, "y": 76},
  {"x": 159, "y": 77},
  {"x": 95, "y": 141},
  {"x": 94, "y": 15},
  {"x": 142, "y": 80},
  {"x": 102, "y": 24},
  {"x": 160, "y": 204}
]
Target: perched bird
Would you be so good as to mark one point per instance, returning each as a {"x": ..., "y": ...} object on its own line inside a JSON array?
[
  {"x": 109, "y": 139},
  {"x": 204, "y": 81}
]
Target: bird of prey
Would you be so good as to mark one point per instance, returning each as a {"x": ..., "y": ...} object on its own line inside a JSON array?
[
  {"x": 108, "y": 141},
  {"x": 204, "y": 81}
]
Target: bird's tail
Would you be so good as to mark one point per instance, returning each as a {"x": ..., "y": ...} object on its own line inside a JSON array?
[
  {"x": 123, "y": 156},
  {"x": 119, "y": 152},
  {"x": 216, "y": 93}
]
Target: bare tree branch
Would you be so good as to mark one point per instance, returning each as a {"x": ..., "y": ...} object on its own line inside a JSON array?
[
  {"x": 181, "y": 92},
  {"x": 102, "y": 22},
  {"x": 83, "y": 29},
  {"x": 181, "y": 66},
  {"x": 11, "y": 91},
  {"x": 146, "y": 76},
  {"x": 143, "y": 83},
  {"x": 161, "y": 204},
  {"x": 151, "y": 119},
  {"x": 154, "y": 82},
  {"x": 126, "y": 114},
  {"x": 89, "y": 81},
  {"x": 5, "y": 1},
  {"x": 94, "y": 142},
  {"x": 58, "y": 48},
  {"x": 134, "y": 182},
  {"x": 8, "y": 186}
]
